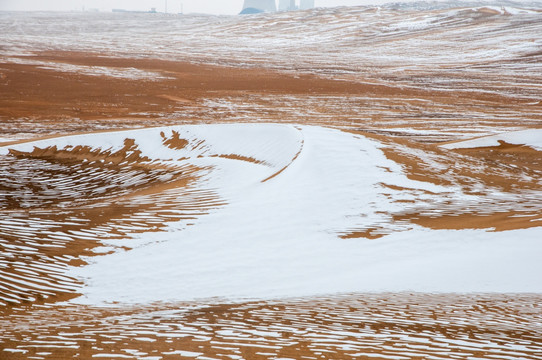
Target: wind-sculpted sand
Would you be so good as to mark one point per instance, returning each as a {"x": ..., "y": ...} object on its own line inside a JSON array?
[
  {"x": 209, "y": 187},
  {"x": 58, "y": 205},
  {"x": 373, "y": 326}
]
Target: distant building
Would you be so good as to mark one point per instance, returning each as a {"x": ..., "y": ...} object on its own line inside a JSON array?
[
  {"x": 284, "y": 5},
  {"x": 292, "y": 5},
  {"x": 258, "y": 6},
  {"x": 306, "y": 4},
  {"x": 287, "y": 5}
]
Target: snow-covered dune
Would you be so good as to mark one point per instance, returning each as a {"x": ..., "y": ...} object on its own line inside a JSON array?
[
  {"x": 531, "y": 138},
  {"x": 290, "y": 193}
]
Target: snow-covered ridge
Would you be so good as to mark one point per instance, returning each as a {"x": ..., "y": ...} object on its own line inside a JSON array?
[
  {"x": 531, "y": 138},
  {"x": 275, "y": 150},
  {"x": 115, "y": 72},
  {"x": 282, "y": 237},
  {"x": 504, "y": 10}
]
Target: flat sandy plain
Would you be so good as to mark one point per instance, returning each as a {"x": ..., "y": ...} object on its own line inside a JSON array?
[{"x": 262, "y": 105}]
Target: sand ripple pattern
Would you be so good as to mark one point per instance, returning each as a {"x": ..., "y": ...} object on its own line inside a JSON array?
[
  {"x": 332, "y": 41},
  {"x": 55, "y": 209},
  {"x": 485, "y": 74},
  {"x": 380, "y": 326}
]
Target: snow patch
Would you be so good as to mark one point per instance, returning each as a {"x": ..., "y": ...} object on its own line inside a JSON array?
[
  {"x": 290, "y": 192},
  {"x": 531, "y": 138},
  {"x": 280, "y": 238}
]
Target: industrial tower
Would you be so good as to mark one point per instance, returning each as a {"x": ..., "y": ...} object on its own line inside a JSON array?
[
  {"x": 259, "y": 6},
  {"x": 287, "y": 5}
]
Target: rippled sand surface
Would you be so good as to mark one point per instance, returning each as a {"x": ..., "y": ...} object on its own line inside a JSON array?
[
  {"x": 367, "y": 326},
  {"x": 58, "y": 206},
  {"x": 431, "y": 74}
]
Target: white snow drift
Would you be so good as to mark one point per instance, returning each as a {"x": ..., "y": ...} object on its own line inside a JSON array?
[
  {"x": 278, "y": 235},
  {"x": 531, "y": 138}
]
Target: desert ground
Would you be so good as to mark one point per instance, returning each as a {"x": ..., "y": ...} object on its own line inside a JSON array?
[{"x": 349, "y": 183}]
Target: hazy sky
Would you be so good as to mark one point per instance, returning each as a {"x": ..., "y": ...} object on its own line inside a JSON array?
[{"x": 205, "y": 6}]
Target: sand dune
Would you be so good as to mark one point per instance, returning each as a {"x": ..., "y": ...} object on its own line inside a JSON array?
[
  {"x": 530, "y": 138},
  {"x": 289, "y": 195},
  {"x": 158, "y": 172}
]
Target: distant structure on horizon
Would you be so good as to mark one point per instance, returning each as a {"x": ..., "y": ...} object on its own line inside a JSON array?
[
  {"x": 292, "y": 5},
  {"x": 258, "y": 6},
  {"x": 152, "y": 11},
  {"x": 306, "y": 4},
  {"x": 288, "y": 5}
]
